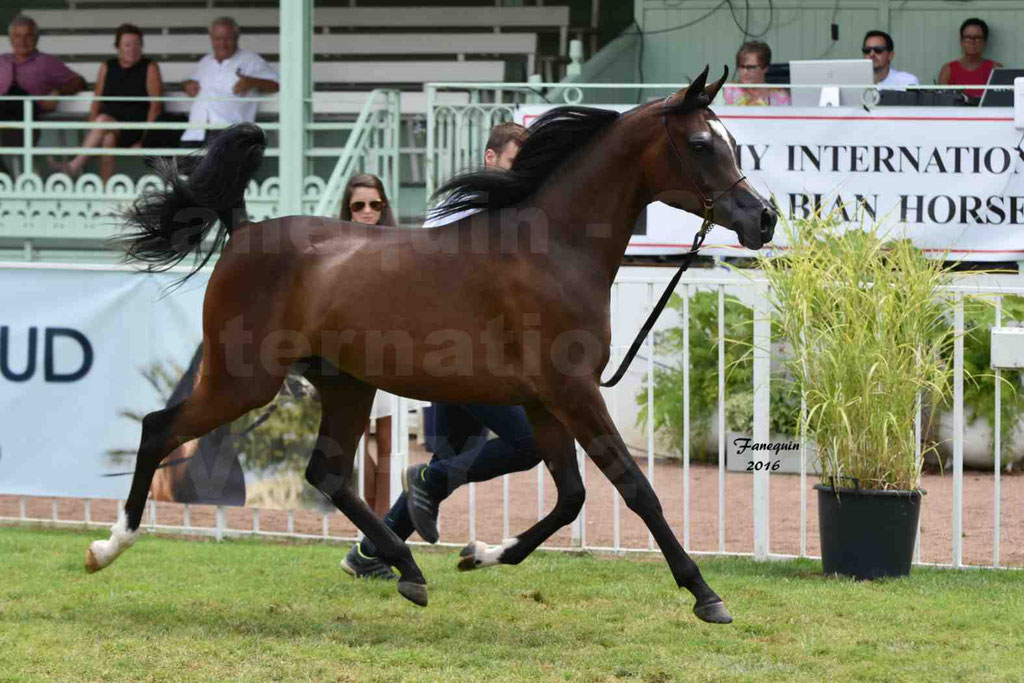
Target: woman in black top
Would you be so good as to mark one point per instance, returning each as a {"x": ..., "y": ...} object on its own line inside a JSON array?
[{"x": 127, "y": 75}]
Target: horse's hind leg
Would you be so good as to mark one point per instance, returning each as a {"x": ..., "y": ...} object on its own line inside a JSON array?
[
  {"x": 218, "y": 399},
  {"x": 346, "y": 403},
  {"x": 559, "y": 454}
]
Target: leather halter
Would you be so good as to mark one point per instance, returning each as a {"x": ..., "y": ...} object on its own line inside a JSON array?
[{"x": 698, "y": 241}]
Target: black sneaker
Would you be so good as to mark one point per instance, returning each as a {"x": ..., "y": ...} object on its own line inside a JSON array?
[
  {"x": 422, "y": 506},
  {"x": 364, "y": 567}
]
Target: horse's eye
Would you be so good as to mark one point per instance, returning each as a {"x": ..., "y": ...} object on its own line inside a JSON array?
[{"x": 700, "y": 145}]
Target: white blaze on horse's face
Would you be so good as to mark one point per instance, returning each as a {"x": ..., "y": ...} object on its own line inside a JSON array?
[{"x": 718, "y": 130}]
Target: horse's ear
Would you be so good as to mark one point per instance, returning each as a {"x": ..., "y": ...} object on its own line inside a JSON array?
[
  {"x": 712, "y": 90},
  {"x": 692, "y": 97},
  {"x": 696, "y": 88}
]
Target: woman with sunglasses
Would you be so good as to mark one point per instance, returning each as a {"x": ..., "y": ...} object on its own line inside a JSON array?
[
  {"x": 752, "y": 62},
  {"x": 364, "y": 201},
  {"x": 972, "y": 68}
]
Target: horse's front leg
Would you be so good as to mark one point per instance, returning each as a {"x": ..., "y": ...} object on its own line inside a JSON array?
[{"x": 589, "y": 422}]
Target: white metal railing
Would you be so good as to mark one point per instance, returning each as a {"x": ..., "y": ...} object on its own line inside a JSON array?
[
  {"x": 632, "y": 296},
  {"x": 457, "y": 133},
  {"x": 59, "y": 208},
  {"x": 30, "y": 122}
]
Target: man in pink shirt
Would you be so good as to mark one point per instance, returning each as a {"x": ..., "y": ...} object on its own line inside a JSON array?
[{"x": 26, "y": 71}]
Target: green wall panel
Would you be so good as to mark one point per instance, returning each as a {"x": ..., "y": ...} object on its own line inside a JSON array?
[{"x": 925, "y": 32}]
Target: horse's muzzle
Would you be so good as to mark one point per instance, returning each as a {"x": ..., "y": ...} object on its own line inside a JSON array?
[
  {"x": 755, "y": 229},
  {"x": 746, "y": 213}
]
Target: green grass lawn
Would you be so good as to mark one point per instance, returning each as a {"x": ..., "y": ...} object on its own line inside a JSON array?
[{"x": 192, "y": 610}]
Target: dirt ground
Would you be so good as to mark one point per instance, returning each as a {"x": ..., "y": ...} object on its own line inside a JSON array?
[{"x": 936, "y": 525}]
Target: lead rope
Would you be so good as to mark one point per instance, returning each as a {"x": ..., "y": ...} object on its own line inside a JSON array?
[{"x": 660, "y": 306}]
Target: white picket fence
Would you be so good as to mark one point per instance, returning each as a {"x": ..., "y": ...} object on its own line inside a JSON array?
[{"x": 632, "y": 296}]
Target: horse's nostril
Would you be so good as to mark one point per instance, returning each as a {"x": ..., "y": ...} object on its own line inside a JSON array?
[{"x": 768, "y": 219}]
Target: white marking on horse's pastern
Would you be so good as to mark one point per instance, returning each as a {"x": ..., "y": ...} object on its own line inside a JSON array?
[
  {"x": 490, "y": 555},
  {"x": 104, "y": 552}
]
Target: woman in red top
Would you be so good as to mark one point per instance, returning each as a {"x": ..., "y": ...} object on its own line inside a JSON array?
[{"x": 972, "y": 68}]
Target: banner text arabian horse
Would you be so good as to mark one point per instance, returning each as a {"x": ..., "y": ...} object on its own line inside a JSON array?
[{"x": 509, "y": 306}]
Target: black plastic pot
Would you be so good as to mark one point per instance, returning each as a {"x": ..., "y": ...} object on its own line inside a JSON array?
[{"x": 867, "y": 533}]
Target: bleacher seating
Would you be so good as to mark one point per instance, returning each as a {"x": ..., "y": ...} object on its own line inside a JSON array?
[
  {"x": 355, "y": 48},
  {"x": 327, "y": 19}
]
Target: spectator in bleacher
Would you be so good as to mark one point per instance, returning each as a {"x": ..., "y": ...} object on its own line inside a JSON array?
[
  {"x": 972, "y": 68},
  {"x": 129, "y": 74},
  {"x": 879, "y": 48},
  {"x": 27, "y": 71},
  {"x": 228, "y": 72},
  {"x": 364, "y": 201},
  {"x": 752, "y": 62}
]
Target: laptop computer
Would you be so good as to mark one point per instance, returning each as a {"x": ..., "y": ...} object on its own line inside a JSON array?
[
  {"x": 830, "y": 72},
  {"x": 1000, "y": 98}
]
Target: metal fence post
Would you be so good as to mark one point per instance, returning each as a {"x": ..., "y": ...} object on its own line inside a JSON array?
[
  {"x": 27, "y": 140},
  {"x": 958, "y": 431},
  {"x": 294, "y": 99},
  {"x": 218, "y": 530},
  {"x": 649, "y": 347},
  {"x": 762, "y": 371},
  {"x": 430, "y": 165}
]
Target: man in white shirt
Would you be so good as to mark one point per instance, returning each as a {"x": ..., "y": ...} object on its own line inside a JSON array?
[
  {"x": 878, "y": 47},
  {"x": 220, "y": 77}
]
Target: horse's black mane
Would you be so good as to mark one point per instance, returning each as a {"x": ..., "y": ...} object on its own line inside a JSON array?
[{"x": 554, "y": 136}]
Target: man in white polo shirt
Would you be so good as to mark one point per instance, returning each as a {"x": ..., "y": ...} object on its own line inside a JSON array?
[
  {"x": 220, "y": 77},
  {"x": 878, "y": 47}
]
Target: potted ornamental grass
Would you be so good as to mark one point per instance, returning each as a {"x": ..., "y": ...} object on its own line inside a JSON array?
[{"x": 866, "y": 320}]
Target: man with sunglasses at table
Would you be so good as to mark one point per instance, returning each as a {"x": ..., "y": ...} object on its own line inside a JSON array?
[{"x": 879, "y": 48}]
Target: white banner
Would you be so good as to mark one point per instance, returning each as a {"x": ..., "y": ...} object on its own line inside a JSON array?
[
  {"x": 74, "y": 347},
  {"x": 947, "y": 178}
]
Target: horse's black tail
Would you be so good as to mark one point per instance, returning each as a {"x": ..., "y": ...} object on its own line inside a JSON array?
[{"x": 165, "y": 226}]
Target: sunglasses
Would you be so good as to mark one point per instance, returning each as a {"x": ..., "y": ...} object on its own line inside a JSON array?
[
  {"x": 376, "y": 205},
  {"x": 877, "y": 49}
]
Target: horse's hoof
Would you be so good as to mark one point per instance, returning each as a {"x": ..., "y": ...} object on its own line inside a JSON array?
[
  {"x": 91, "y": 565},
  {"x": 414, "y": 592},
  {"x": 713, "y": 613},
  {"x": 470, "y": 556}
]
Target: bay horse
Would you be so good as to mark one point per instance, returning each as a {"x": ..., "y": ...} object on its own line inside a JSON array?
[{"x": 507, "y": 306}]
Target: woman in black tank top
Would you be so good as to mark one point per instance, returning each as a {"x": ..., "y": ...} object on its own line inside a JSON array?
[{"x": 127, "y": 75}]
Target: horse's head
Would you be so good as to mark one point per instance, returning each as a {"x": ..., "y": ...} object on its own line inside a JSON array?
[{"x": 693, "y": 166}]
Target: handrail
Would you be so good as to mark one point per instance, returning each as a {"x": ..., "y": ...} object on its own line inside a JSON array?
[
  {"x": 509, "y": 95},
  {"x": 357, "y": 141},
  {"x": 54, "y": 213},
  {"x": 30, "y": 123},
  {"x": 479, "y": 85}
]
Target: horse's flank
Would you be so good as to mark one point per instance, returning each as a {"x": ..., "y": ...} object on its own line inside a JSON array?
[{"x": 348, "y": 293}]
